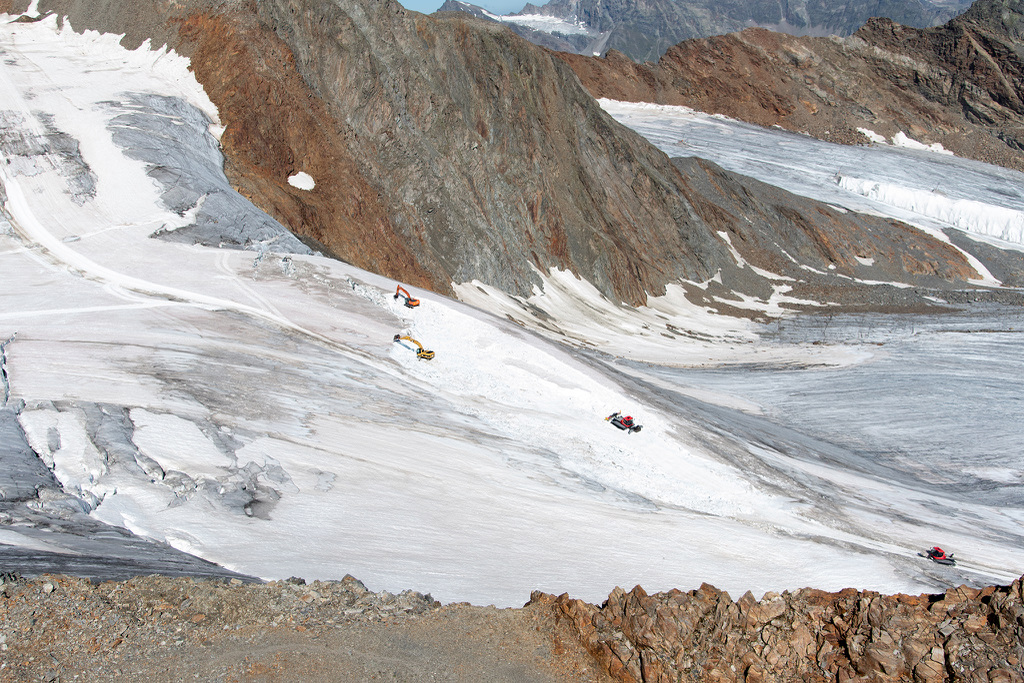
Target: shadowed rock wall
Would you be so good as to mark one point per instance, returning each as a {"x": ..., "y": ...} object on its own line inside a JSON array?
[
  {"x": 493, "y": 159},
  {"x": 644, "y": 29}
]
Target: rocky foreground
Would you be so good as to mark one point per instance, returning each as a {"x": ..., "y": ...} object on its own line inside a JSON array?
[{"x": 57, "y": 628}]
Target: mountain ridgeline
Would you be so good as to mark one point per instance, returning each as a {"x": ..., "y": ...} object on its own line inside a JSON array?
[
  {"x": 446, "y": 149},
  {"x": 958, "y": 85},
  {"x": 644, "y": 30}
]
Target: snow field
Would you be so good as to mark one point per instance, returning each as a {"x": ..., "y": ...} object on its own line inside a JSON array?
[
  {"x": 977, "y": 198},
  {"x": 537, "y": 398},
  {"x": 965, "y": 214},
  {"x": 261, "y": 417},
  {"x": 669, "y": 330},
  {"x": 542, "y": 22}
]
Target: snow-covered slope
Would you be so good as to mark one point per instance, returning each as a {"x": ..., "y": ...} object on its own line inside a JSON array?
[
  {"x": 906, "y": 180},
  {"x": 251, "y": 406}
]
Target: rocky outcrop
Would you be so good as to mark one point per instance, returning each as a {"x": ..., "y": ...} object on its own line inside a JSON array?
[
  {"x": 155, "y": 630},
  {"x": 444, "y": 149},
  {"x": 163, "y": 629},
  {"x": 958, "y": 85},
  {"x": 815, "y": 248},
  {"x": 808, "y": 635},
  {"x": 491, "y": 158}
]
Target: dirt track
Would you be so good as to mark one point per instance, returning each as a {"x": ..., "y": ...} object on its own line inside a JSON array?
[{"x": 158, "y": 629}]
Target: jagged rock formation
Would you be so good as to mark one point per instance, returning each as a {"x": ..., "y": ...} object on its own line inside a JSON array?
[
  {"x": 645, "y": 30},
  {"x": 959, "y": 85},
  {"x": 492, "y": 158},
  {"x": 808, "y": 635},
  {"x": 447, "y": 149},
  {"x": 770, "y": 228},
  {"x": 444, "y": 149}
]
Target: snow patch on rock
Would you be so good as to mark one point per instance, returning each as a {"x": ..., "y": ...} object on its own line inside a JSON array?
[{"x": 302, "y": 180}]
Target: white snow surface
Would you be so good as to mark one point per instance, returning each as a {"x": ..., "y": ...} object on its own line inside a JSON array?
[
  {"x": 901, "y": 139},
  {"x": 543, "y": 22},
  {"x": 669, "y": 330},
  {"x": 302, "y": 180},
  {"x": 277, "y": 429},
  {"x": 914, "y": 184},
  {"x": 966, "y": 214}
]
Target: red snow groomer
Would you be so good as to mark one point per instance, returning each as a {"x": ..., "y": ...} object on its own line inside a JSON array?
[
  {"x": 624, "y": 422},
  {"x": 938, "y": 555}
]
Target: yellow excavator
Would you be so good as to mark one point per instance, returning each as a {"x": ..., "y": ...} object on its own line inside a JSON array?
[{"x": 421, "y": 352}]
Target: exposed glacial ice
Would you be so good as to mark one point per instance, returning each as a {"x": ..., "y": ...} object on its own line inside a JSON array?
[
  {"x": 251, "y": 407},
  {"x": 924, "y": 188},
  {"x": 965, "y": 214},
  {"x": 545, "y": 23}
]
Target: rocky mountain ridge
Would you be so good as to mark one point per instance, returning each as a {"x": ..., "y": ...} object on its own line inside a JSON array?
[
  {"x": 958, "y": 85},
  {"x": 963, "y": 635},
  {"x": 160, "y": 629},
  {"x": 447, "y": 149},
  {"x": 643, "y": 31}
]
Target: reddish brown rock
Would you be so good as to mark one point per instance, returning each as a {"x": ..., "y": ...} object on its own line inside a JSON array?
[
  {"x": 275, "y": 128},
  {"x": 808, "y": 635}
]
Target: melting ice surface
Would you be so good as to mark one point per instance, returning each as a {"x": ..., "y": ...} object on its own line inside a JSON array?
[
  {"x": 923, "y": 188},
  {"x": 252, "y": 408},
  {"x": 545, "y": 23}
]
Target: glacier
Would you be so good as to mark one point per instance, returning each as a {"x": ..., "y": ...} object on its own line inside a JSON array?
[
  {"x": 923, "y": 187},
  {"x": 249, "y": 406}
]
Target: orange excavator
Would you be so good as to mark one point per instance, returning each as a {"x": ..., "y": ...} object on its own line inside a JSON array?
[
  {"x": 421, "y": 352},
  {"x": 409, "y": 301}
]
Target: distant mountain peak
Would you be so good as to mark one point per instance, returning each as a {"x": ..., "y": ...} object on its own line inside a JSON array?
[
  {"x": 643, "y": 31},
  {"x": 1004, "y": 16}
]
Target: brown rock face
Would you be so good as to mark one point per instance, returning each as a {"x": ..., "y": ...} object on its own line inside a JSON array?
[
  {"x": 274, "y": 129},
  {"x": 770, "y": 228},
  {"x": 443, "y": 149},
  {"x": 810, "y": 635},
  {"x": 958, "y": 85},
  {"x": 492, "y": 159},
  {"x": 159, "y": 630}
]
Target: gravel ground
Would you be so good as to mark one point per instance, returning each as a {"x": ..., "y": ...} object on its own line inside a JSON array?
[{"x": 58, "y": 628}]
